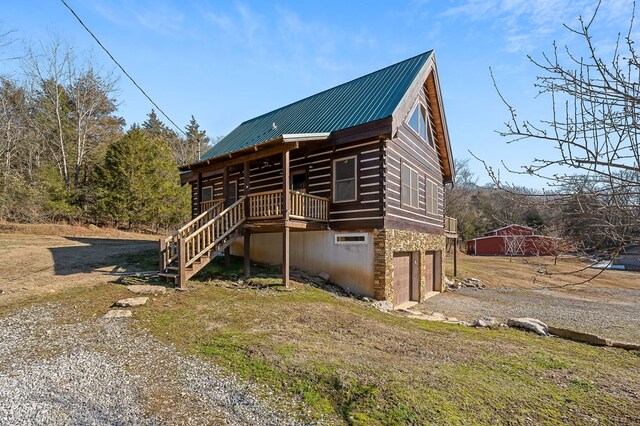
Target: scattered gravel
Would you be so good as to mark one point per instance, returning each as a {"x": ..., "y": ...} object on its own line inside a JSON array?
[
  {"x": 54, "y": 370},
  {"x": 606, "y": 312}
]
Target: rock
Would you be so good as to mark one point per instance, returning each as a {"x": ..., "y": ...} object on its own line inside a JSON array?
[
  {"x": 146, "y": 289},
  {"x": 530, "y": 324},
  {"x": 488, "y": 322},
  {"x": 117, "y": 313},
  {"x": 578, "y": 336},
  {"x": 368, "y": 299},
  {"x": 452, "y": 319},
  {"x": 132, "y": 302},
  {"x": 1, "y": 291},
  {"x": 383, "y": 305},
  {"x": 324, "y": 275}
]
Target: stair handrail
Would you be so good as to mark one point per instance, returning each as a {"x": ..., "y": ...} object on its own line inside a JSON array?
[
  {"x": 232, "y": 227},
  {"x": 218, "y": 216},
  {"x": 197, "y": 218},
  {"x": 169, "y": 250}
]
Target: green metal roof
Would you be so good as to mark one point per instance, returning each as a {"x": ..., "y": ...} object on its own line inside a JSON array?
[{"x": 363, "y": 100}]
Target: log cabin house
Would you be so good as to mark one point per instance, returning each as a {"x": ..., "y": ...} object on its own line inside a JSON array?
[{"x": 349, "y": 181}]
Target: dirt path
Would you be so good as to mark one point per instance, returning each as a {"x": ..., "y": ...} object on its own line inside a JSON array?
[{"x": 33, "y": 263}]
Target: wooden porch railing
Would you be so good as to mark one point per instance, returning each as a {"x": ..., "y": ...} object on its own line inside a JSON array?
[
  {"x": 450, "y": 225},
  {"x": 309, "y": 207},
  {"x": 206, "y": 205},
  {"x": 212, "y": 233},
  {"x": 268, "y": 205},
  {"x": 265, "y": 205}
]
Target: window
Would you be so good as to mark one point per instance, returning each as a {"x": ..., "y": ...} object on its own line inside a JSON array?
[
  {"x": 206, "y": 193},
  {"x": 344, "y": 179},
  {"x": 432, "y": 197},
  {"x": 409, "y": 181},
  {"x": 352, "y": 239},
  {"x": 418, "y": 122}
]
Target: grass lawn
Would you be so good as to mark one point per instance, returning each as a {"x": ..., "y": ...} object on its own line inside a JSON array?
[{"x": 341, "y": 361}]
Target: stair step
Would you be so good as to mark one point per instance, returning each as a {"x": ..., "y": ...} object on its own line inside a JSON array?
[
  {"x": 172, "y": 268},
  {"x": 168, "y": 275}
]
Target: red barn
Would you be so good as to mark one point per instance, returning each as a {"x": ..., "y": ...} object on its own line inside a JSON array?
[{"x": 512, "y": 240}]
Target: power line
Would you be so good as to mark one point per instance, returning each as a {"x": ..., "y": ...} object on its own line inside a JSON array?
[{"x": 122, "y": 68}]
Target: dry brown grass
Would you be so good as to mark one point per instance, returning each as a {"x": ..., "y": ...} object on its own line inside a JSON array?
[{"x": 539, "y": 272}]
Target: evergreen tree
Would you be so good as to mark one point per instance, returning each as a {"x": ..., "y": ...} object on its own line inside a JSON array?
[
  {"x": 197, "y": 140},
  {"x": 139, "y": 182}
]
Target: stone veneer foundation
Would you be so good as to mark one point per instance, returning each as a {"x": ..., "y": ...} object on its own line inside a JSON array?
[{"x": 388, "y": 241}]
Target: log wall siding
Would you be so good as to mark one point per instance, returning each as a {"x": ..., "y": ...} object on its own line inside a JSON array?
[
  {"x": 406, "y": 147},
  {"x": 366, "y": 212}
]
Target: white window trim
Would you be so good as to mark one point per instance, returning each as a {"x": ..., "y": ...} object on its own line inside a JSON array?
[
  {"x": 233, "y": 193},
  {"x": 427, "y": 200},
  {"x": 364, "y": 235},
  {"x": 355, "y": 178},
  {"x": 417, "y": 206},
  {"x": 202, "y": 190}
]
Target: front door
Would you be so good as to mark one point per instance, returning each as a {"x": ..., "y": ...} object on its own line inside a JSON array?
[{"x": 299, "y": 181}]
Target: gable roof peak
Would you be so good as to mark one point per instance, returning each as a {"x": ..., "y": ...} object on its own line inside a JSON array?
[{"x": 365, "y": 99}]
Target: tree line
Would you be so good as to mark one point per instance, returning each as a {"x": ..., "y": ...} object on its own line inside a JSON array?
[{"x": 65, "y": 154}]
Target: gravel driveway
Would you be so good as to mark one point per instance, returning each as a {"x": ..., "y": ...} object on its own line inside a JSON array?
[
  {"x": 612, "y": 313},
  {"x": 55, "y": 370}
]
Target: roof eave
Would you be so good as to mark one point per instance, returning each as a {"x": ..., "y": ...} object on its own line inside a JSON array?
[{"x": 285, "y": 138}]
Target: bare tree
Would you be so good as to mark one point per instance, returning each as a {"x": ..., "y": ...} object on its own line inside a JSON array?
[
  {"x": 48, "y": 70},
  {"x": 593, "y": 126}
]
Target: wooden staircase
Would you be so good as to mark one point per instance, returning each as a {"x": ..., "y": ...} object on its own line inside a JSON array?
[{"x": 193, "y": 246}]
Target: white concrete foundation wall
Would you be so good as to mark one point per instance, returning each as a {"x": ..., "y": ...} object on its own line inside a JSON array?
[{"x": 350, "y": 265}]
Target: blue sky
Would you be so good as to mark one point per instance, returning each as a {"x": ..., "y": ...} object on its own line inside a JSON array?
[{"x": 228, "y": 61}]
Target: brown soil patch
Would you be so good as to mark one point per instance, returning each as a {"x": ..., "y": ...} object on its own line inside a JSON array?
[{"x": 38, "y": 259}]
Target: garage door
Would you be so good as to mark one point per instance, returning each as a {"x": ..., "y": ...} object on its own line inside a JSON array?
[
  {"x": 429, "y": 258},
  {"x": 401, "y": 277}
]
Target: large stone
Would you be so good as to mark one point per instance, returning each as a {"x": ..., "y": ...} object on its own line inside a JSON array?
[
  {"x": 324, "y": 275},
  {"x": 383, "y": 305},
  {"x": 117, "y": 313},
  {"x": 132, "y": 302},
  {"x": 530, "y": 324},
  {"x": 146, "y": 289},
  {"x": 578, "y": 336},
  {"x": 488, "y": 322}
]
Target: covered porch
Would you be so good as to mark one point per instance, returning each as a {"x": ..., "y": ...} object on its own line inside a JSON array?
[{"x": 282, "y": 210}]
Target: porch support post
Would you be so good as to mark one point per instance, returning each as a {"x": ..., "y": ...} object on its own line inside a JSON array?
[
  {"x": 199, "y": 195},
  {"x": 455, "y": 257},
  {"x": 247, "y": 232},
  {"x": 247, "y": 253},
  {"x": 285, "y": 217},
  {"x": 225, "y": 195},
  {"x": 161, "y": 257}
]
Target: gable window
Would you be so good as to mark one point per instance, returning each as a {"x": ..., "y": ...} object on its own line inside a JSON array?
[
  {"x": 418, "y": 122},
  {"x": 206, "y": 194},
  {"x": 432, "y": 197},
  {"x": 344, "y": 179},
  {"x": 409, "y": 181}
]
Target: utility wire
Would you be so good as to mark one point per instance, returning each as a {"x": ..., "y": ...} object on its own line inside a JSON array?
[{"x": 122, "y": 68}]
